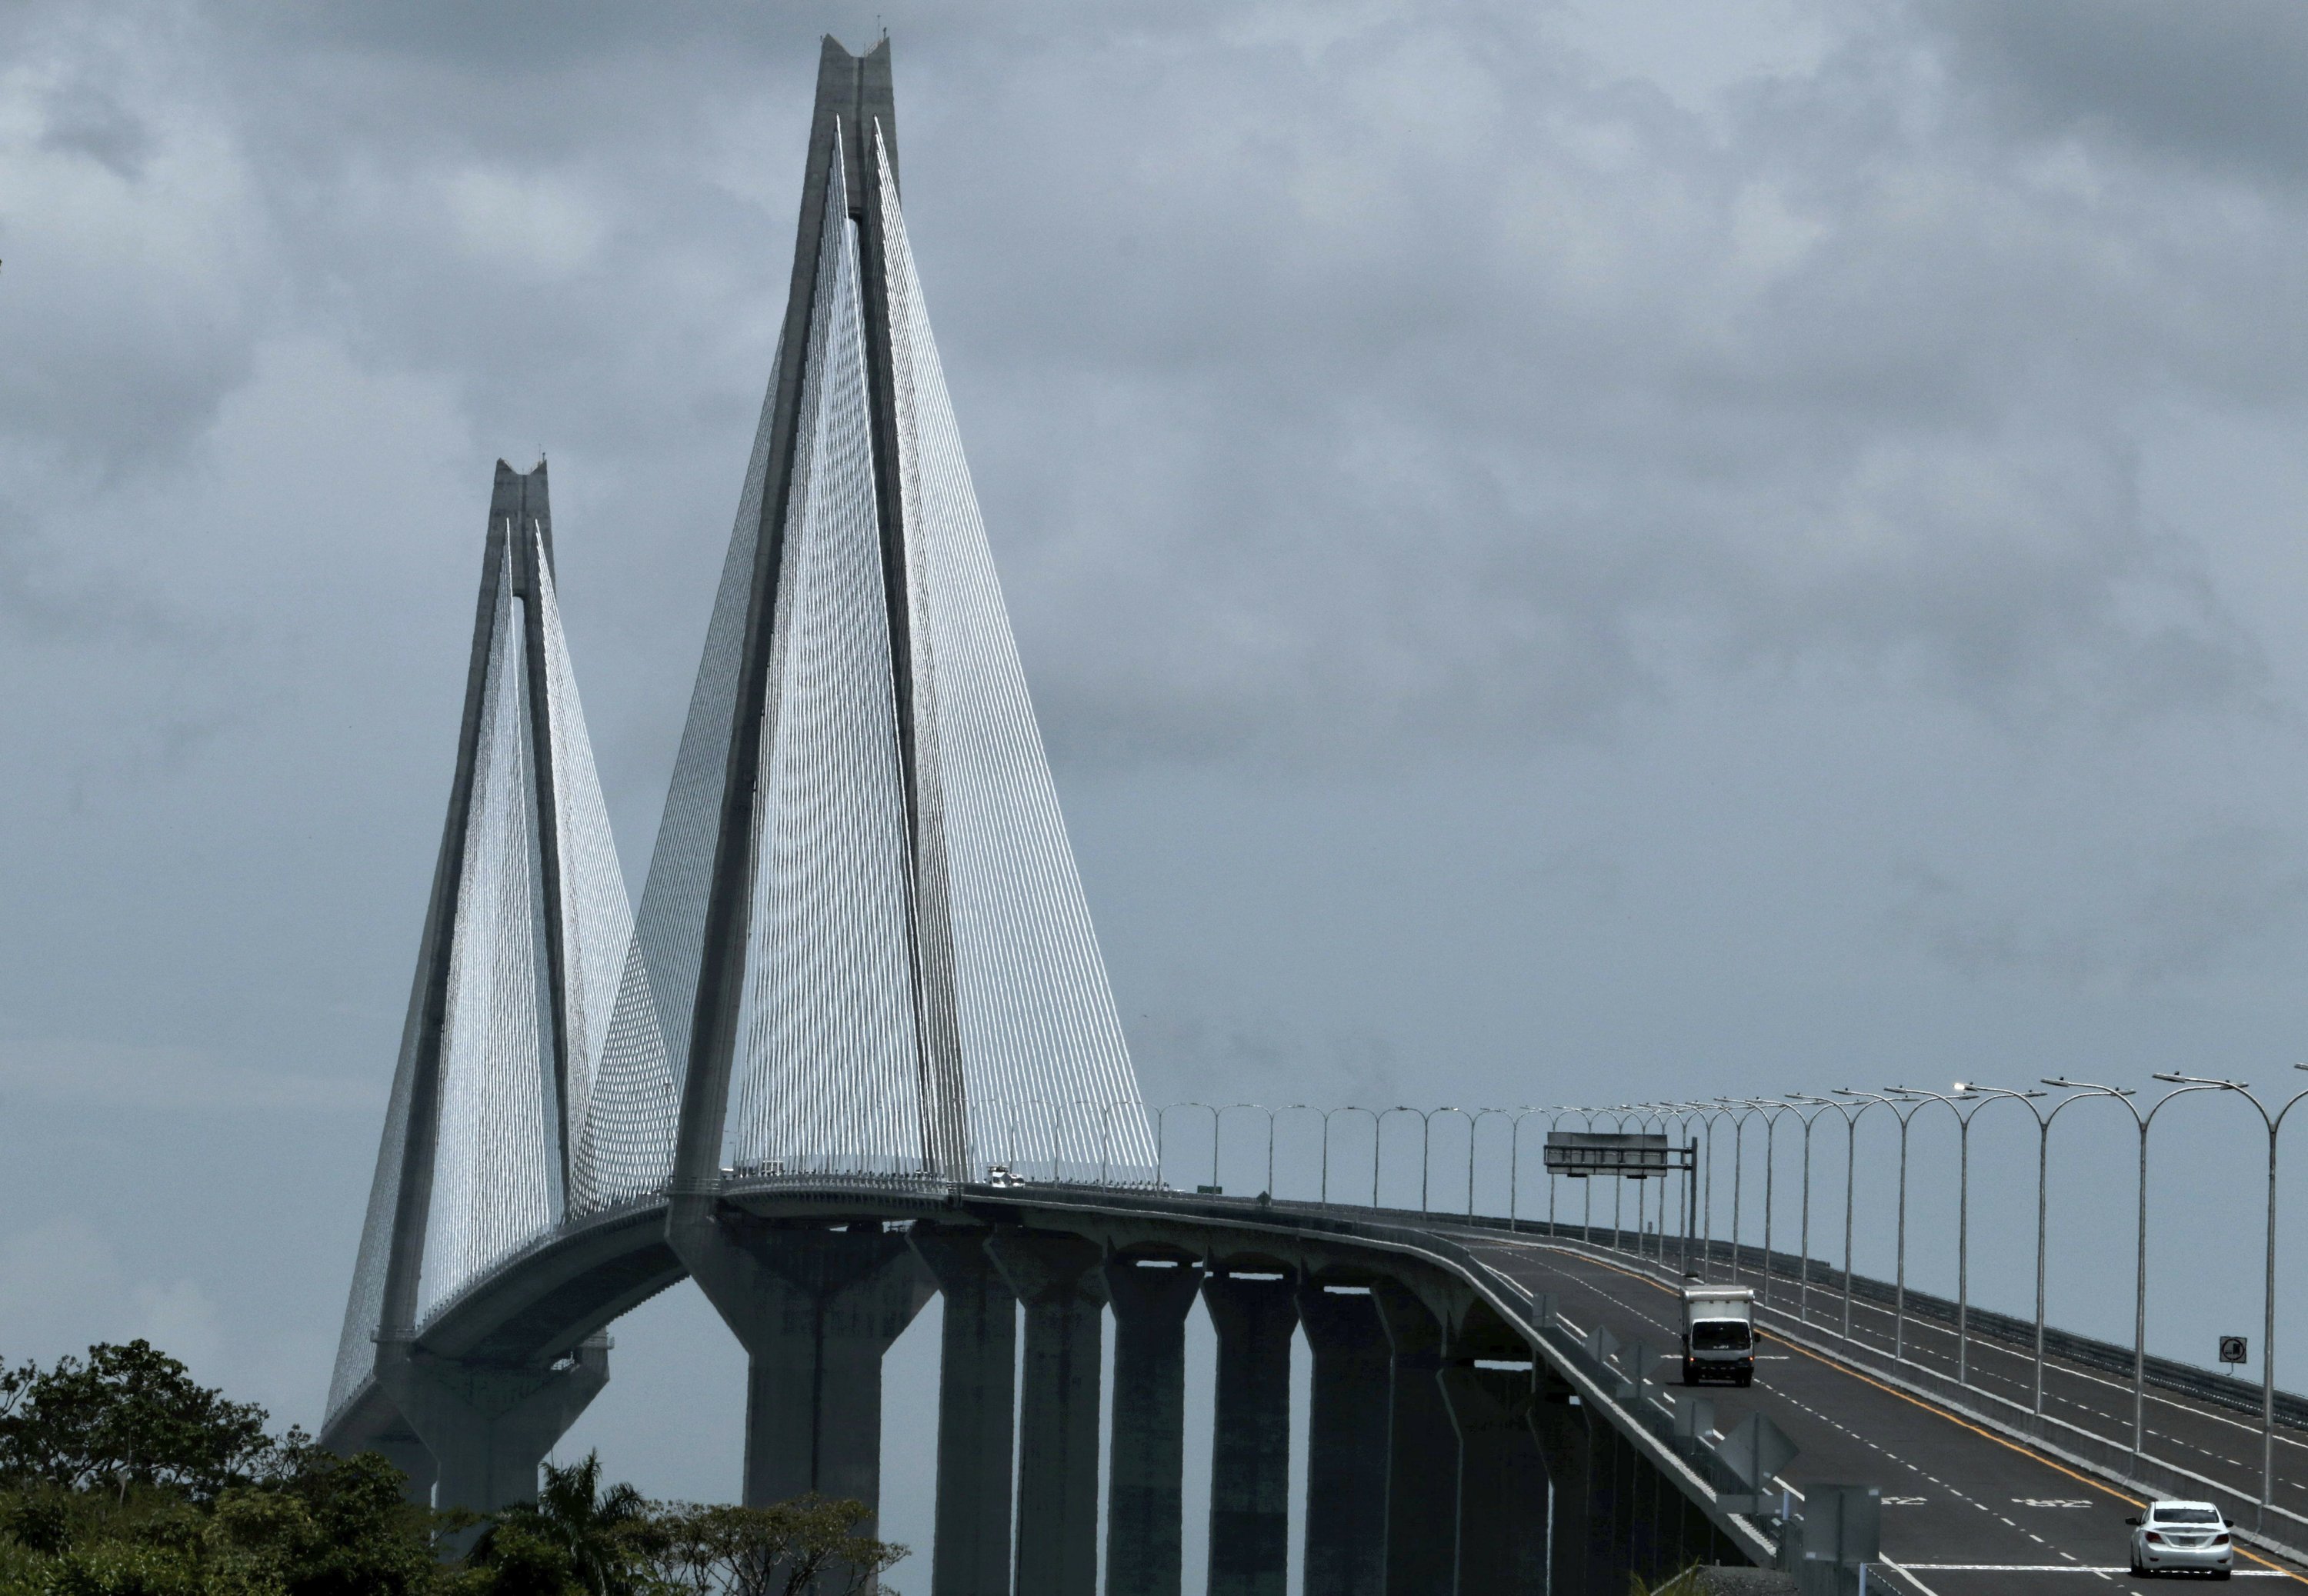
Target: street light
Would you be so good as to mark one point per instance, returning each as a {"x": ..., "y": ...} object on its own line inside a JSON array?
[
  {"x": 2139, "y": 1239},
  {"x": 1349, "y": 1108},
  {"x": 1684, "y": 1112},
  {"x": 1161, "y": 1131},
  {"x": 1514, "y": 1169},
  {"x": 1290, "y": 1108},
  {"x": 1770, "y": 1109},
  {"x": 1899, "y": 1290},
  {"x": 1472, "y": 1130},
  {"x": 1218, "y": 1125},
  {"x": 2274, "y": 1124},
  {"x": 1800, "y": 1102},
  {"x": 1966, "y": 1092}
]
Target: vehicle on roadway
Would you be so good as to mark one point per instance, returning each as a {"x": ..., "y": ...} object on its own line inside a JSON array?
[
  {"x": 1719, "y": 1334},
  {"x": 2173, "y": 1536}
]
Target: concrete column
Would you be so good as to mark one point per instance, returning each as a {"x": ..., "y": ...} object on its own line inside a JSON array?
[
  {"x": 977, "y": 1385},
  {"x": 1057, "y": 1278},
  {"x": 1144, "y": 1508},
  {"x": 488, "y": 1426},
  {"x": 1422, "y": 1450},
  {"x": 1501, "y": 1482},
  {"x": 1250, "y": 1447},
  {"x": 1609, "y": 1524},
  {"x": 1560, "y": 1430},
  {"x": 814, "y": 1309},
  {"x": 1346, "y": 1442},
  {"x": 405, "y": 1452}
]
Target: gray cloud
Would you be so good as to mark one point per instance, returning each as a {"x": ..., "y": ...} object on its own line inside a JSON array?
[{"x": 1563, "y": 550}]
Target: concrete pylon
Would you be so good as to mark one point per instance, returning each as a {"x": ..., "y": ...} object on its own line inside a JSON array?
[
  {"x": 487, "y": 1427},
  {"x": 1346, "y": 1442},
  {"x": 978, "y": 1382},
  {"x": 1254, "y": 1313},
  {"x": 1501, "y": 1482},
  {"x": 1057, "y": 1278},
  {"x": 1145, "y": 1506},
  {"x": 815, "y": 1310},
  {"x": 1422, "y": 1449}
]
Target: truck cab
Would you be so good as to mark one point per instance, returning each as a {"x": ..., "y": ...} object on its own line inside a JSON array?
[{"x": 1719, "y": 1334}]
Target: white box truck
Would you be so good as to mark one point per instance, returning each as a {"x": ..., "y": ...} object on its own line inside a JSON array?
[{"x": 1719, "y": 1334}]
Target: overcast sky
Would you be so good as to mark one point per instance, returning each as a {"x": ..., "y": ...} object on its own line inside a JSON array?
[{"x": 1566, "y": 552}]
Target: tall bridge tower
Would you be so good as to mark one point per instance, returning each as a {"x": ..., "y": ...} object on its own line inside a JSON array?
[{"x": 892, "y": 958}]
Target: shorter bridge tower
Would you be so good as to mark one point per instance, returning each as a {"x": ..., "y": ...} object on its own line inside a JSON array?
[{"x": 525, "y": 937}]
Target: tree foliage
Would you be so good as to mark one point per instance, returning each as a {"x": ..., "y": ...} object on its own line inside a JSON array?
[
  {"x": 120, "y": 1476},
  {"x": 128, "y": 1416},
  {"x": 812, "y": 1546}
]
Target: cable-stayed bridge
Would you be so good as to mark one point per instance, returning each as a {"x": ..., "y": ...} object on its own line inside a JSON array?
[{"x": 860, "y": 992}]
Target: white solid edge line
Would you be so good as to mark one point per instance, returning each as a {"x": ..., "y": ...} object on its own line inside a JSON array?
[
  {"x": 2051, "y": 1568},
  {"x": 1901, "y": 1570}
]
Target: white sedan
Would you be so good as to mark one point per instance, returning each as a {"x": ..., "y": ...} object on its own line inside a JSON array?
[{"x": 2181, "y": 1535}]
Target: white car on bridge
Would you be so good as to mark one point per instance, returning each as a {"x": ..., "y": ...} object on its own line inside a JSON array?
[{"x": 2190, "y": 1536}]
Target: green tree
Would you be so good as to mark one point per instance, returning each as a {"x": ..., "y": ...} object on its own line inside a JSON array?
[
  {"x": 129, "y": 1416},
  {"x": 811, "y": 1546},
  {"x": 599, "y": 1534}
]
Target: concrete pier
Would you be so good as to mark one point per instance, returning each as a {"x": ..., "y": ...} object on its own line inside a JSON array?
[
  {"x": 1058, "y": 1280},
  {"x": 1422, "y": 1490},
  {"x": 814, "y": 1309},
  {"x": 1254, "y": 1313},
  {"x": 1501, "y": 1482},
  {"x": 487, "y": 1428},
  {"x": 977, "y": 1385},
  {"x": 1559, "y": 1429},
  {"x": 1145, "y": 1507},
  {"x": 1346, "y": 1441}
]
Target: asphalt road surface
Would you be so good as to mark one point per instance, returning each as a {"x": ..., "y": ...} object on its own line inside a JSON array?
[
  {"x": 2216, "y": 1442},
  {"x": 1966, "y": 1513}
]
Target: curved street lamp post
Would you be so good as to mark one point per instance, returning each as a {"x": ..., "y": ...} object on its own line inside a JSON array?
[
  {"x": 1965, "y": 1092},
  {"x": 1900, "y": 1289},
  {"x": 2140, "y": 1238},
  {"x": 2275, "y": 1126}
]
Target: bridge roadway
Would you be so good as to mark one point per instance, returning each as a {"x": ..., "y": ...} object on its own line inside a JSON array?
[
  {"x": 2217, "y": 1442},
  {"x": 1965, "y": 1511}
]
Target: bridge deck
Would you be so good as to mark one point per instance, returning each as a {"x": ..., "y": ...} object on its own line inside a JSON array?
[
  {"x": 2204, "y": 1438},
  {"x": 1965, "y": 1511}
]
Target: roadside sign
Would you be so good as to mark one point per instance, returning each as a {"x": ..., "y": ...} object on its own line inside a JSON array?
[
  {"x": 2234, "y": 1349},
  {"x": 1579, "y": 1153}
]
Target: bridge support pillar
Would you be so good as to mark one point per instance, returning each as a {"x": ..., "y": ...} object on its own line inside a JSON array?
[
  {"x": 815, "y": 1310},
  {"x": 1346, "y": 1442},
  {"x": 1560, "y": 1430},
  {"x": 1250, "y": 1447},
  {"x": 1145, "y": 1502},
  {"x": 1422, "y": 1449},
  {"x": 977, "y": 1392},
  {"x": 402, "y": 1449},
  {"x": 1057, "y": 1278},
  {"x": 1502, "y": 1483},
  {"x": 486, "y": 1427},
  {"x": 1610, "y": 1504}
]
